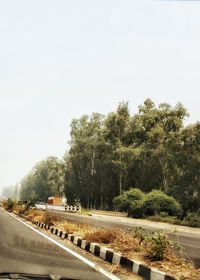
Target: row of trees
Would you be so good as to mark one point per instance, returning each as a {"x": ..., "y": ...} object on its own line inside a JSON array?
[
  {"x": 44, "y": 180},
  {"x": 150, "y": 150},
  {"x": 12, "y": 191},
  {"x": 109, "y": 155}
]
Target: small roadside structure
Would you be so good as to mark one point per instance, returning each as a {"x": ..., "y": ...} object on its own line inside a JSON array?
[
  {"x": 59, "y": 204},
  {"x": 53, "y": 200},
  {"x": 57, "y": 200}
]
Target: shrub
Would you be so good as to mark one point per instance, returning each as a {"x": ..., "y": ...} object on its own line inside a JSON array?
[
  {"x": 163, "y": 214},
  {"x": 130, "y": 201},
  {"x": 156, "y": 202},
  {"x": 71, "y": 228},
  {"x": 104, "y": 236},
  {"x": 49, "y": 218},
  {"x": 167, "y": 219},
  {"x": 19, "y": 209},
  {"x": 192, "y": 221},
  {"x": 9, "y": 204},
  {"x": 159, "y": 246},
  {"x": 136, "y": 209},
  {"x": 31, "y": 214}
]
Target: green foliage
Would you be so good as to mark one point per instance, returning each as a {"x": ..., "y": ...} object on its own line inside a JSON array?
[
  {"x": 157, "y": 202},
  {"x": 150, "y": 150},
  {"x": 88, "y": 165},
  {"x": 165, "y": 219},
  {"x": 136, "y": 209},
  {"x": 140, "y": 233},
  {"x": 85, "y": 212},
  {"x": 192, "y": 221},
  {"x": 139, "y": 204},
  {"x": 129, "y": 201},
  {"x": 45, "y": 179},
  {"x": 9, "y": 204},
  {"x": 159, "y": 246}
]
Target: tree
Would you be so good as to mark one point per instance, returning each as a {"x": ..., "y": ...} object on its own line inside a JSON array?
[
  {"x": 10, "y": 192},
  {"x": 115, "y": 133},
  {"x": 186, "y": 187},
  {"x": 45, "y": 179},
  {"x": 150, "y": 150},
  {"x": 84, "y": 162},
  {"x": 152, "y": 132}
]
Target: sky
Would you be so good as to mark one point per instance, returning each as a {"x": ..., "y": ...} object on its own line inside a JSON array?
[{"x": 60, "y": 59}]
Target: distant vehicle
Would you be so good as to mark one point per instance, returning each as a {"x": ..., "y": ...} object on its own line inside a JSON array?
[{"x": 40, "y": 206}]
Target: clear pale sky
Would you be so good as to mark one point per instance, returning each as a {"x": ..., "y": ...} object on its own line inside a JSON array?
[{"x": 60, "y": 59}]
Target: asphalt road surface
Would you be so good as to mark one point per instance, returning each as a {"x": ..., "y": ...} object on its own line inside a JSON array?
[
  {"x": 187, "y": 238},
  {"x": 23, "y": 250}
]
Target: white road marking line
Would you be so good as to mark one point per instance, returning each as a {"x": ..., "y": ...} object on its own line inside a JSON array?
[{"x": 99, "y": 269}]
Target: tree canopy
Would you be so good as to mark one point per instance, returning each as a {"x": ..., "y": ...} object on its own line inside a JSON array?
[
  {"x": 44, "y": 180},
  {"x": 108, "y": 155}
]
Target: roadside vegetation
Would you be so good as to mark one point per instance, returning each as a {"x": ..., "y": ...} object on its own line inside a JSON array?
[
  {"x": 155, "y": 206},
  {"x": 153, "y": 249},
  {"x": 150, "y": 152}
]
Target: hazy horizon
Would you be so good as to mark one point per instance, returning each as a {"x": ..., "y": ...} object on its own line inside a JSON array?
[{"x": 62, "y": 59}]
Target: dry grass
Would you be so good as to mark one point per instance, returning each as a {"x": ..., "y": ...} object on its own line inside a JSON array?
[
  {"x": 102, "y": 236},
  {"x": 121, "y": 242},
  {"x": 129, "y": 245},
  {"x": 49, "y": 218},
  {"x": 33, "y": 213},
  {"x": 17, "y": 208},
  {"x": 76, "y": 229},
  {"x": 180, "y": 269},
  {"x": 37, "y": 215}
]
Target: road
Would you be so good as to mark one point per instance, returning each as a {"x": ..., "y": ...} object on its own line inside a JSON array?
[
  {"x": 23, "y": 250},
  {"x": 188, "y": 238}
]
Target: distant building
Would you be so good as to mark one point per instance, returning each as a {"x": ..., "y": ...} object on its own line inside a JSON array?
[{"x": 55, "y": 200}]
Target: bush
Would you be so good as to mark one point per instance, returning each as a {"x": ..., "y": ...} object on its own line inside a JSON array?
[
  {"x": 130, "y": 201},
  {"x": 49, "y": 218},
  {"x": 192, "y": 221},
  {"x": 157, "y": 202},
  {"x": 159, "y": 246},
  {"x": 136, "y": 209},
  {"x": 167, "y": 219},
  {"x": 19, "y": 209},
  {"x": 9, "y": 204}
]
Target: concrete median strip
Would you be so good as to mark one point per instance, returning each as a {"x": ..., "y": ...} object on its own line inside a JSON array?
[{"x": 109, "y": 256}]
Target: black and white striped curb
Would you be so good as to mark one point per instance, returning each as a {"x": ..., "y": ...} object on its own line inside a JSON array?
[{"x": 109, "y": 255}]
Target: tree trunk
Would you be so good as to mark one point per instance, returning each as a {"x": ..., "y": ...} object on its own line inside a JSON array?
[
  {"x": 120, "y": 184},
  {"x": 93, "y": 158},
  {"x": 101, "y": 197}
]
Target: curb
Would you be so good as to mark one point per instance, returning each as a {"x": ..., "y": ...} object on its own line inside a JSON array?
[{"x": 108, "y": 255}]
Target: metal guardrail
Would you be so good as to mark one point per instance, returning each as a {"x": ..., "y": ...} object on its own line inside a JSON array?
[
  {"x": 66, "y": 208},
  {"x": 55, "y": 207},
  {"x": 73, "y": 208}
]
